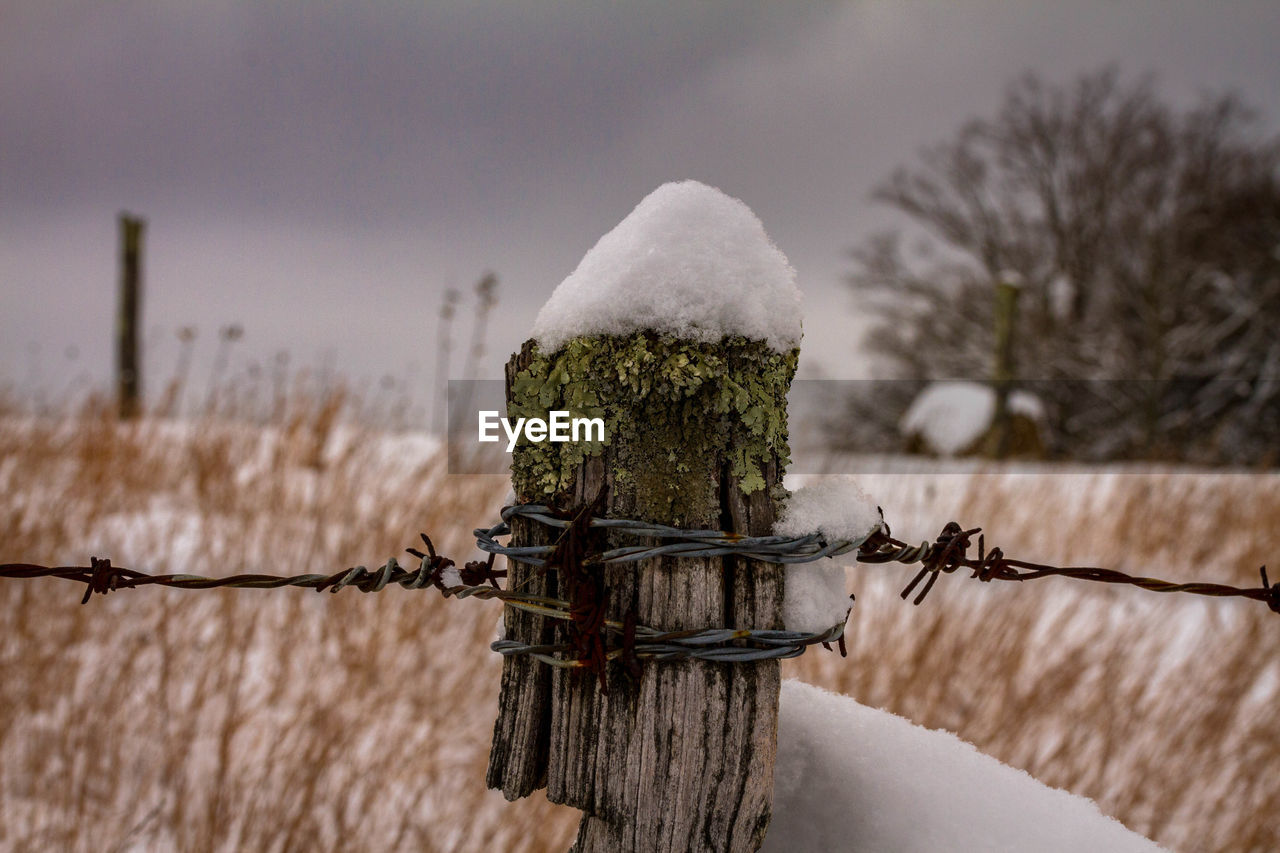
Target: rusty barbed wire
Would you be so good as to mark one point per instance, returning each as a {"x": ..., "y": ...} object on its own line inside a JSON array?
[
  {"x": 949, "y": 552},
  {"x": 678, "y": 542},
  {"x": 945, "y": 555},
  {"x": 477, "y": 579},
  {"x": 594, "y": 640}
]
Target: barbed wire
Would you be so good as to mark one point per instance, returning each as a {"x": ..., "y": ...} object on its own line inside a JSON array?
[
  {"x": 477, "y": 579},
  {"x": 949, "y": 552},
  {"x": 684, "y": 543},
  {"x": 625, "y": 640},
  {"x": 946, "y": 554}
]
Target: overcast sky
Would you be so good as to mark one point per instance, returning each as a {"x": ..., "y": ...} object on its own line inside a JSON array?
[{"x": 319, "y": 174}]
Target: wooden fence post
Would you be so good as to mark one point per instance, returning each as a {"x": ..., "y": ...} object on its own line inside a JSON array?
[
  {"x": 679, "y": 756},
  {"x": 128, "y": 369},
  {"x": 1008, "y": 288}
]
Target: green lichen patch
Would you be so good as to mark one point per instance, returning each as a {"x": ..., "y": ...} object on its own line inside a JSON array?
[{"x": 674, "y": 411}]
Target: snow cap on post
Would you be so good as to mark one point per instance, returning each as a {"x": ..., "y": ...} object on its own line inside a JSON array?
[
  {"x": 680, "y": 330},
  {"x": 690, "y": 262}
]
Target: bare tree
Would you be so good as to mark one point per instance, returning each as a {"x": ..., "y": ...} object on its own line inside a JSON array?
[{"x": 1148, "y": 242}]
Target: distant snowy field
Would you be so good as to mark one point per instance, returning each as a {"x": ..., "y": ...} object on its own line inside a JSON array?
[{"x": 1156, "y": 707}]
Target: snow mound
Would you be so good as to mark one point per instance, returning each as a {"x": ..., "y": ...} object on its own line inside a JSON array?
[
  {"x": 836, "y": 507},
  {"x": 689, "y": 261},
  {"x": 815, "y": 596},
  {"x": 951, "y": 416},
  {"x": 849, "y": 777}
]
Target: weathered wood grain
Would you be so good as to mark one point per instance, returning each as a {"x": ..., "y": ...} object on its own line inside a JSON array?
[{"x": 682, "y": 758}]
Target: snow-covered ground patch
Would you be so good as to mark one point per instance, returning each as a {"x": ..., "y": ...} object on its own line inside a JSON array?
[
  {"x": 850, "y": 777},
  {"x": 1155, "y": 706},
  {"x": 951, "y": 416}
]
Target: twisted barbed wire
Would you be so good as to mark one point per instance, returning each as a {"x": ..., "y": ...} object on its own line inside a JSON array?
[
  {"x": 946, "y": 554},
  {"x": 682, "y": 543},
  {"x": 477, "y": 579},
  {"x": 626, "y": 640}
]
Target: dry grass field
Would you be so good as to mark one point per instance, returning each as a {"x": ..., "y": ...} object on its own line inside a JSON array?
[{"x": 289, "y": 720}]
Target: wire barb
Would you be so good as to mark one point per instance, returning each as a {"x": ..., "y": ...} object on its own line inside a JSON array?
[{"x": 595, "y": 640}]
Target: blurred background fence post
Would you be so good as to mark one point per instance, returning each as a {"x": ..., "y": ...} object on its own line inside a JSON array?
[
  {"x": 1008, "y": 288},
  {"x": 128, "y": 363},
  {"x": 674, "y": 755}
]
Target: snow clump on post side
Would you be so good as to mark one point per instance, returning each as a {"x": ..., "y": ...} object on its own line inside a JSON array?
[
  {"x": 690, "y": 262},
  {"x": 839, "y": 509},
  {"x": 836, "y": 507}
]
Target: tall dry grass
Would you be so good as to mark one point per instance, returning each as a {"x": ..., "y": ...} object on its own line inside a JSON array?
[
  {"x": 1158, "y": 707},
  {"x": 229, "y": 720},
  {"x": 243, "y": 720}
]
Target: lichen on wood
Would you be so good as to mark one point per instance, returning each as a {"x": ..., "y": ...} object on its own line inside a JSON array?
[
  {"x": 671, "y": 408},
  {"x": 679, "y": 756}
]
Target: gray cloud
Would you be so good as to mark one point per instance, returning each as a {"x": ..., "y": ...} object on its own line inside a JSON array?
[
  {"x": 320, "y": 173},
  {"x": 356, "y": 111}
]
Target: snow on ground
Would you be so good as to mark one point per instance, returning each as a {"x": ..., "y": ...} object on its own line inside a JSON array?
[
  {"x": 845, "y": 771},
  {"x": 689, "y": 261},
  {"x": 951, "y": 416},
  {"x": 850, "y": 777},
  {"x": 1034, "y": 510},
  {"x": 163, "y": 530}
]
